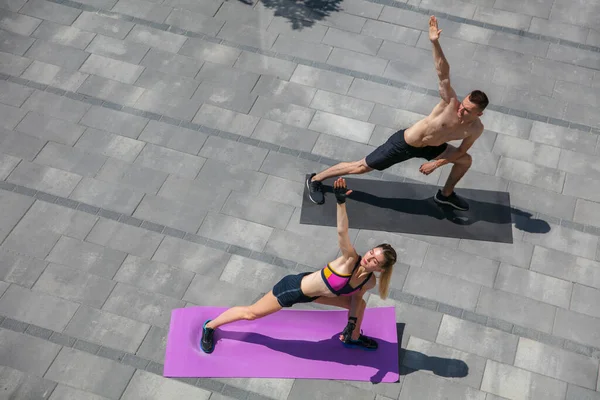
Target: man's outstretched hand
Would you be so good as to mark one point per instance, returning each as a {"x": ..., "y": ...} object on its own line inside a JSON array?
[{"x": 434, "y": 32}]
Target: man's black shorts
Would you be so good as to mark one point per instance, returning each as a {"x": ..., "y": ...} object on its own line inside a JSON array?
[{"x": 396, "y": 150}]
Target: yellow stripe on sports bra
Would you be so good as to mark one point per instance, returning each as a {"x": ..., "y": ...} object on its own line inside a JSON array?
[{"x": 337, "y": 273}]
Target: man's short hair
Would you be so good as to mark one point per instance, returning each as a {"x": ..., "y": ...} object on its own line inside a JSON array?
[{"x": 479, "y": 98}]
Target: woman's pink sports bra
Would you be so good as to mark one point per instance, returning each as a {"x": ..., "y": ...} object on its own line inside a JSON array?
[{"x": 339, "y": 284}]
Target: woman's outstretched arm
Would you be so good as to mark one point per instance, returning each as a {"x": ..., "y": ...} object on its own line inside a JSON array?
[{"x": 341, "y": 192}]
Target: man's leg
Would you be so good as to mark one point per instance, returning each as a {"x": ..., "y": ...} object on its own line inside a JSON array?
[
  {"x": 459, "y": 168},
  {"x": 315, "y": 189}
]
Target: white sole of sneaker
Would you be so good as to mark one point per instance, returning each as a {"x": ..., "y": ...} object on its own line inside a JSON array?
[
  {"x": 308, "y": 187},
  {"x": 448, "y": 203}
]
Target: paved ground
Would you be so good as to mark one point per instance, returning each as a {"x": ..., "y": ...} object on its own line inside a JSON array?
[{"x": 152, "y": 156}]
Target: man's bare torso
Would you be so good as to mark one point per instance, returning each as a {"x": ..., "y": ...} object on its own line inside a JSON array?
[{"x": 441, "y": 126}]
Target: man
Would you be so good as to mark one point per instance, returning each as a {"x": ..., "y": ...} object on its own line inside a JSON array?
[{"x": 449, "y": 120}]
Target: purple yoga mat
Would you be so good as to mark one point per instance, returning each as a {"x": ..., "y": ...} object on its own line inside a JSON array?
[{"x": 286, "y": 344}]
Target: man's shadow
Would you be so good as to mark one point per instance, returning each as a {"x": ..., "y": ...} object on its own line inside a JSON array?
[
  {"x": 478, "y": 210},
  {"x": 332, "y": 350}
]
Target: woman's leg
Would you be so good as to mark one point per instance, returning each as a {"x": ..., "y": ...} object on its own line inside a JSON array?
[{"x": 268, "y": 304}]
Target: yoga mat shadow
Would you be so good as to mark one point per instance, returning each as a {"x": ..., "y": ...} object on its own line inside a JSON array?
[{"x": 409, "y": 208}]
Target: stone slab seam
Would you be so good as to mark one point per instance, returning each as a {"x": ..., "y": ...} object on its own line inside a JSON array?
[
  {"x": 123, "y": 357},
  {"x": 302, "y": 61},
  {"x": 594, "y": 230},
  {"x": 395, "y": 294}
]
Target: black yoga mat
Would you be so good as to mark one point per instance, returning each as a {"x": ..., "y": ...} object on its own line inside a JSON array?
[{"x": 409, "y": 208}]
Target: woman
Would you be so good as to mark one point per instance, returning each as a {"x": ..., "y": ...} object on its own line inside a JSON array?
[{"x": 342, "y": 283}]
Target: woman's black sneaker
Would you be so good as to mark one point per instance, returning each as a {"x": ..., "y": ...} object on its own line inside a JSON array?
[
  {"x": 206, "y": 343},
  {"x": 363, "y": 342}
]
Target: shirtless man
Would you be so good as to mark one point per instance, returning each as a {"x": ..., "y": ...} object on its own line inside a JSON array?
[{"x": 450, "y": 120}]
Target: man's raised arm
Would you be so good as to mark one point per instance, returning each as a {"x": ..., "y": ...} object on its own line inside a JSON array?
[{"x": 441, "y": 64}]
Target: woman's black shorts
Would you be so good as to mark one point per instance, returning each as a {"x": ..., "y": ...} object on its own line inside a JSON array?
[
  {"x": 396, "y": 150},
  {"x": 288, "y": 292}
]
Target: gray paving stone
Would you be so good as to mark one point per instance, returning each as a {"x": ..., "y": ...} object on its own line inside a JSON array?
[
  {"x": 387, "y": 31},
  {"x": 171, "y": 213},
  {"x": 103, "y": 25},
  {"x": 476, "y": 339},
  {"x": 193, "y": 192},
  {"x": 194, "y": 22},
  {"x": 140, "y": 305},
  {"x": 551, "y": 203},
  {"x": 87, "y": 257},
  {"x": 233, "y": 177},
  {"x": 90, "y": 373},
  {"x": 12, "y": 64},
  {"x": 191, "y": 256},
  {"x": 161, "y": 82},
  {"x": 530, "y": 174},
  {"x": 252, "y": 274},
  {"x": 107, "y": 329},
  {"x": 475, "y": 269},
  {"x": 561, "y": 71},
  {"x": 50, "y": 11},
  {"x": 14, "y": 43},
  {"x": 43, "y": 178},
  {"x": 210, "y": 291},
  {"x": 357, "y": 61},
  {"x": 534, "y": 285},
  {"x": 154, "y": 345},
  {"x": 573, "y": 55},
  {"x": 227, "y": 151},
  {"x": 285, "y": 135},
  {"x": 378, "y": 93},
  {"x": 583, "y": 299},
  {"x": 319, "y": 389},
  {"x": 443, "y": 288},
  {"x": 246, "y": 34},
  {"x": 143, "y": 9},
  {"x": 67, "y": 57},
  {"x": 282, "y": 190},
  {"x": 260, "y": 210},
  {"x": 113, "y": 196},
  {"x": 18, "y": 385},
  {"x": 586, "y": 212},
  {"x": 576, "y": 93},
  {"x": 108, "y": 144},
  {"x": 565, "y": 138},
  {"x": 170, "y": 161},
  {"x": 341, "y": 126},
  {"x": 582, "y": 114},
  {"x": 173, "y": 137},
  {"x": 235, "y": 231},
  {"x": 524, "y": 385},
  {"x": 68, "y": 393},
  {"x": 37, "y": 308},
  {"x": 48, "y": 128},
  {"x": 70, "y": 159},
  {"x": 206, "y": 51},
  {"x": 54, "y": 76},
  {"x": 226, "y": 120},
  {"x": 436, "y": 388},
  {"x": 74, "y": 285},
  {"x": 556, "y": 363},
  {"x": 321, "y": 79},
  {"x": 56, "y": 106},
  {"x": 170, "y": 63},
  {"x": 566, "y": 240},
  {"x": 290, "y": 114},
  {"x": 126, "y": 238},
  {"x": 524, "y": 150},
  {"x": 579, "y": 393},
  {"x": 109, "y": 90},
  {"x": 421, "y": 355},
  {"x": 284, "y": 91},
  {"x": 291, "y": 246},
  {"x": 13, "y": 94},
  {"x": 260, "y": 64},
  {"x": 114, "y": 121},
  {"x": 155, "y": 38},
  {"x": 15, "y": 207},
  {"x": 392, "y": 117},
  {"x": 154, "y": 277},
  {"x": 225, "y": 75},
  {"x": 296, "y": 47},
  {"x": 342, "y": 105},
  {"x": 26, "y": 353},
  {"x": 111, "y": 69},
  {"x": 65, "y": 35},
  {"x": 340, "y": 149},
  {"x": 516, "y": 309},
  {"x": 224, "y": 95},
  {"x": 518, "y": 253},
  {"x": 41, "y": 227},
  {"x": 150, "y": 386},
  {"x": 18, "y": 23}
]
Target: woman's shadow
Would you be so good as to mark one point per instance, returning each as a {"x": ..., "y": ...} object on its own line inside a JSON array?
[{"x": 331, "y": 350}]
